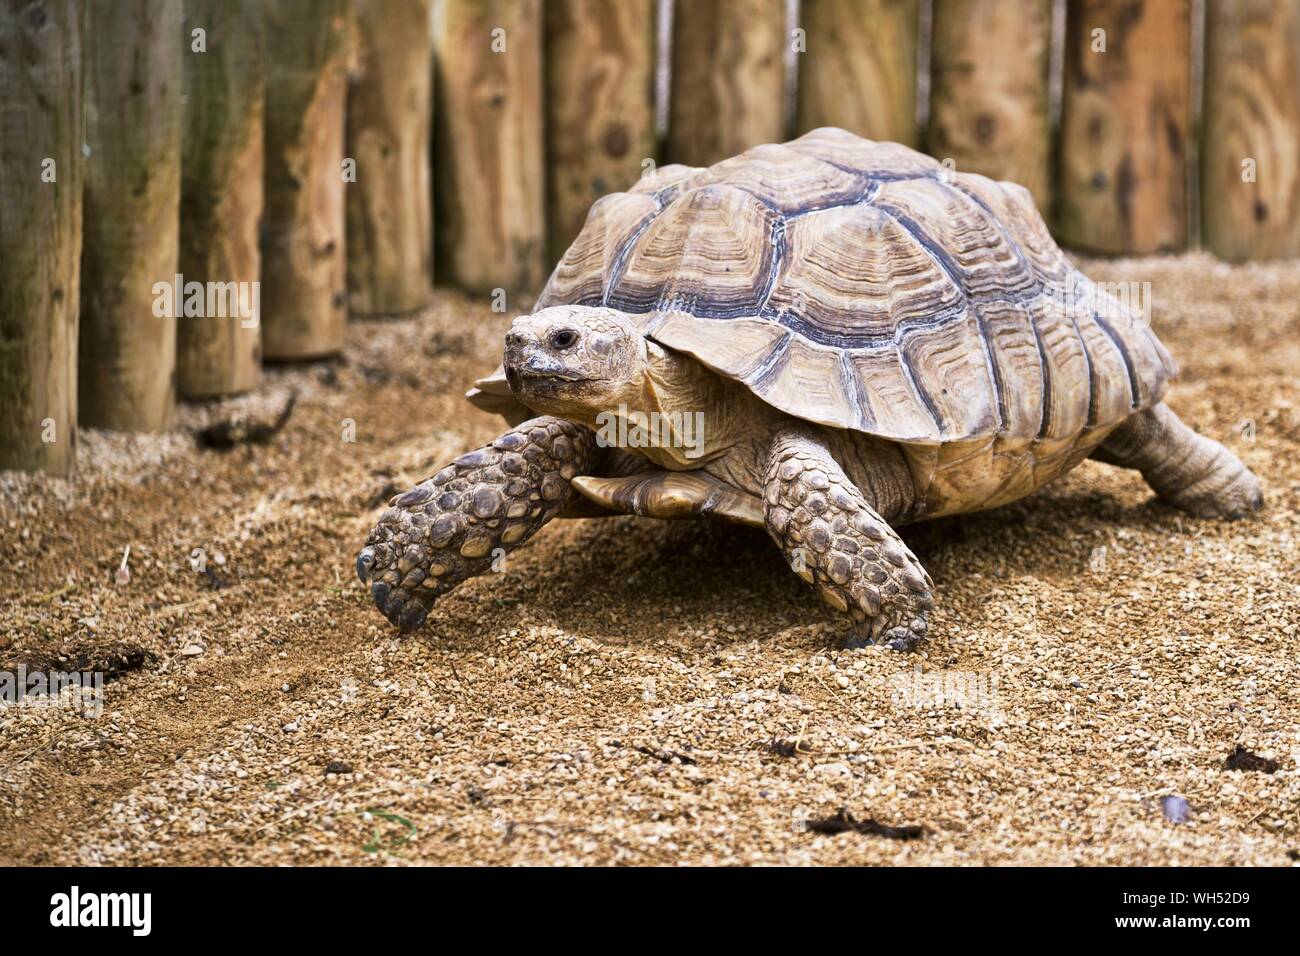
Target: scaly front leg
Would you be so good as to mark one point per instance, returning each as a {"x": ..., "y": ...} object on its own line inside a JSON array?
[
  {"x": 454, "y": 525},
  {"x": 835, "y": 540}
]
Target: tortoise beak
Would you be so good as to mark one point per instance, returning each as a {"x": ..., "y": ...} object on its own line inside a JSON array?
[{"x": 534, "y": 365}]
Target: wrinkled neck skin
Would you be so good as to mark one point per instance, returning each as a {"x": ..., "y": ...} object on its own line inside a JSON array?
[
  {"x": 737, "y": 429},
  {"x": 682, "y": 416}
]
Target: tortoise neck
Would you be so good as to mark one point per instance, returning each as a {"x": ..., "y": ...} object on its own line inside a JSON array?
[{"x": 674, "y": 413}]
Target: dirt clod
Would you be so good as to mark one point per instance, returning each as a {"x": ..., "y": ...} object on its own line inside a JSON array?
[
  {"x": 226, "y": 433},
  {"x": 1243, "y": 759},
  {"x": 845, "y": 822}
]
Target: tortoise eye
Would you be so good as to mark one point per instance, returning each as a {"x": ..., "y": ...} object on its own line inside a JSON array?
[{"x": 563, "y": 339}]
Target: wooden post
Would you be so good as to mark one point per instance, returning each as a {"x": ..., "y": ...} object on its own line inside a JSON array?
[
  {"x": 40, "y": 232},
  {"x": 389, "y": 207},
  {"x": 988, "y": 93},
  {"x": 489, "y": 190},
  {"x": 127, "y": 350},
  {"x": 728, "y": 78},
  {"x": 219, "y": 352},
  {"x": 858, "y": 70},
  {"x": 1250, "y": 148},
  {"x": 600, "y": 71},
  {"x": 304, "y": 302},
  {"x": 1122, "y": 169}
]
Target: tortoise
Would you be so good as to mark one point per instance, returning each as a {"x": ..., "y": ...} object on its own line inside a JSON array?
[{"x": 828, "y": 339}]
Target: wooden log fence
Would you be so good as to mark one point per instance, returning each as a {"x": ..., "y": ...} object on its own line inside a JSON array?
[{"x": 520, "y": 114}]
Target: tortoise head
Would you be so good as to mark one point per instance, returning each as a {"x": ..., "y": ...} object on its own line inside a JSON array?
[{"x": 574, "y": 360}]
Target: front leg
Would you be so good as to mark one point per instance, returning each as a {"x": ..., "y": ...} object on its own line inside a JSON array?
[
  {"x": 836, "y": 541},
  {"x": 454, "y": 525}
]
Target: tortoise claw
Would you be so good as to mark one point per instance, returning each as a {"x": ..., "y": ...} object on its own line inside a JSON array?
[
  {"x": 411, "y": 617},
  {"x": 406, "y": 611},
  {"x": 365, "y": 561}
]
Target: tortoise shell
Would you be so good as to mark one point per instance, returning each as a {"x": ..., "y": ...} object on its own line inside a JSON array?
[{"x": 865, "y": 286}]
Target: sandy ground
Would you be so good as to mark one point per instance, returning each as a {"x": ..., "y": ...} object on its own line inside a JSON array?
[{"x": 631, "y": 691}]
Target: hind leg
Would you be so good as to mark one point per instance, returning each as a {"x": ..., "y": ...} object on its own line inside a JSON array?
[{"x": 1188, "y": 470}]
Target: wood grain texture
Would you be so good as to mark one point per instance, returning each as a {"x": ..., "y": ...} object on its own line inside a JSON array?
[
  {"x": 41, "y": 115},
  {"x": 988, "y": 93},
  {"x": 1251, "y": 127},
  {"x": 221, "y": 192},
  {"x": 600, "y": 125},
  {"x": 859, "y": 69},
  {"x": 728, "y": 78},
  {"x": 390, "y": 206},
  {"x": 1122, "y": 168},
  {"x": 489, "y": 190},
  {"x": 127, "y": 352},
  {"x": 304, "y": 303}
]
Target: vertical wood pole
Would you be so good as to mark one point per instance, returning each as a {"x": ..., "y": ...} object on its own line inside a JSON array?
[
  {"x": 389, "y": 207},
  {"x": 40, "y": 231},
  {"x": 988, "y": 93},
  {"x": 489, "y": 186},
  {"x": 127, "y": 348},
  {"x": 600, "y": 63},
  {"x": 1250, "y": 146},
  {"x": 304, "y": 302},
  {"x": 221, "y": 196},
  {"x": 1122, "y": 162},
  {"x": 859, "y": 69},
  {"x": 728, "y": 78}
]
